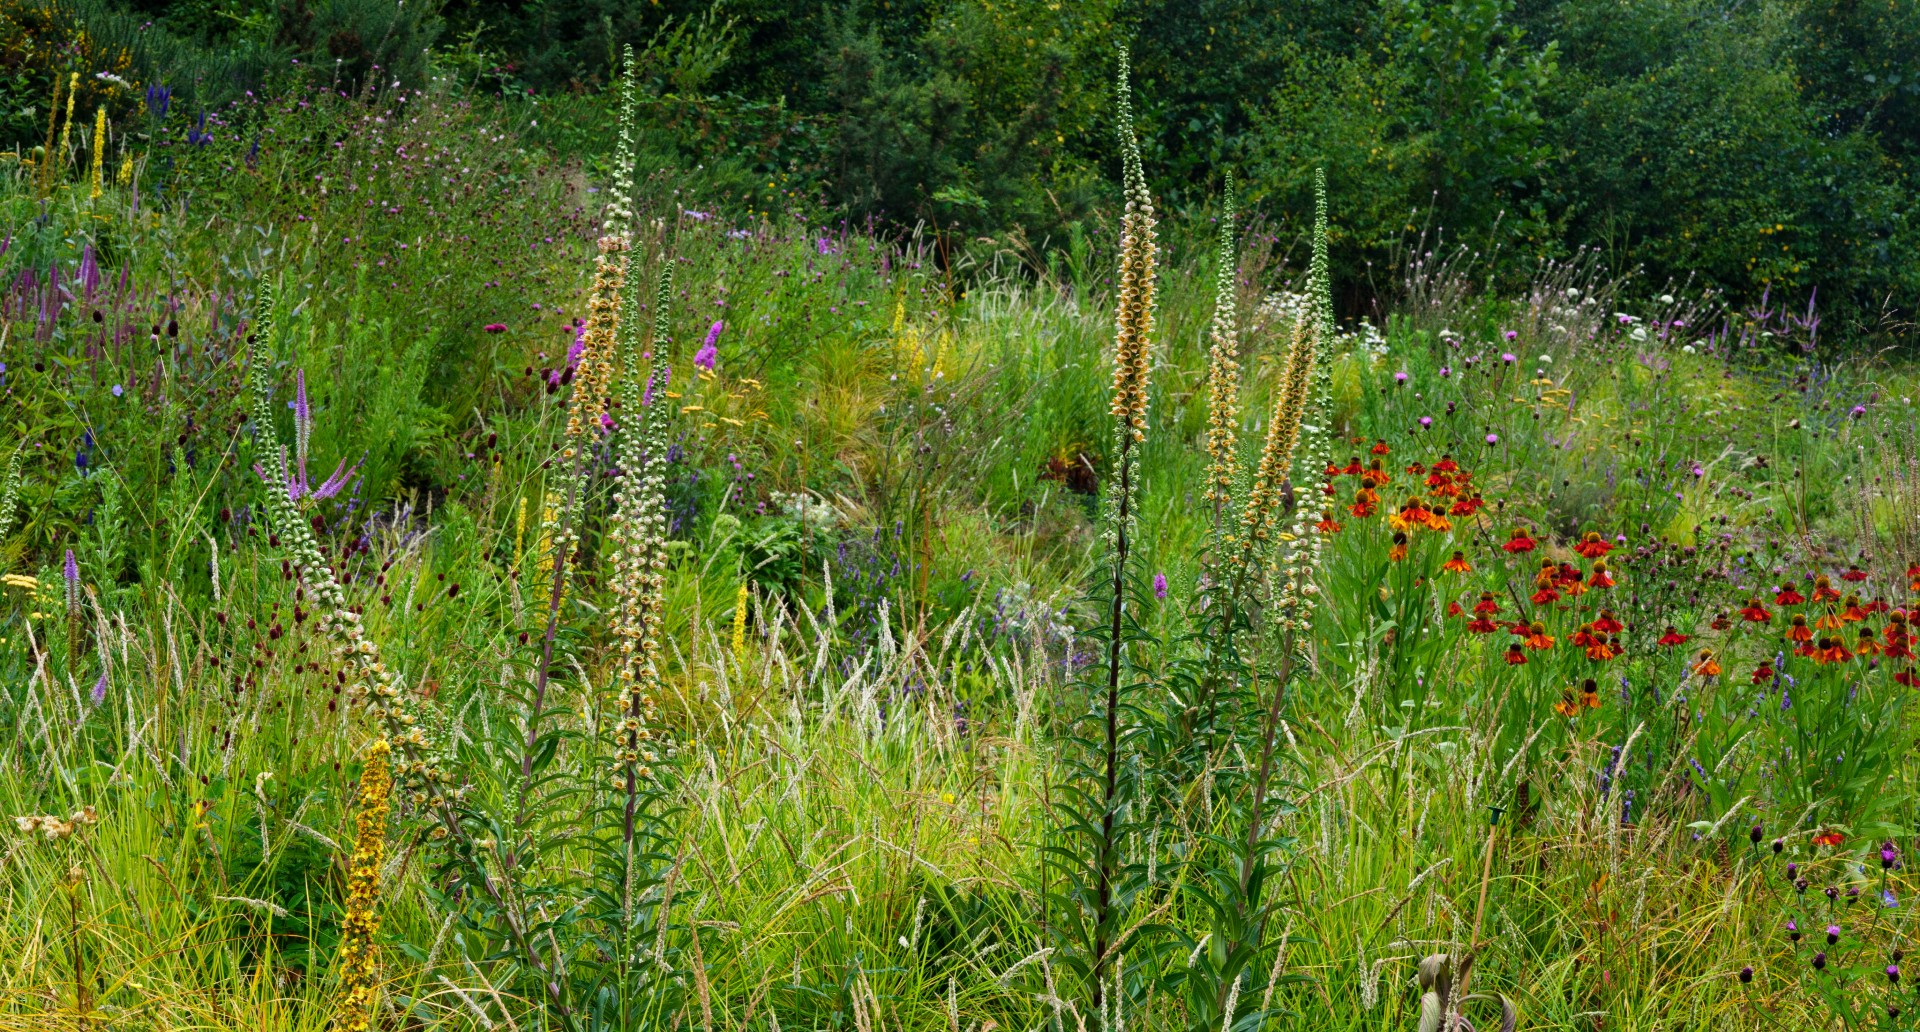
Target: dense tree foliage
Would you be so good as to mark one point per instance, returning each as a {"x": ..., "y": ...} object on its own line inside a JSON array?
[{"x": 1758, "y": 146}]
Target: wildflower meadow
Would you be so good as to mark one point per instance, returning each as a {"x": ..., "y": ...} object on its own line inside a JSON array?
[{"x": 454, "y": 583}]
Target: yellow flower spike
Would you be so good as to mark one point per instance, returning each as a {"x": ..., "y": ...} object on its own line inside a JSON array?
[
  {"x": 99, "y": 150},
  {"x": 740, "y": 624},
  {"x": 359, "y": 957}
]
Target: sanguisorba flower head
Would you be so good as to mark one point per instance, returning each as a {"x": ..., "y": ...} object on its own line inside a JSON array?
[{"x": 359, "y": 958}]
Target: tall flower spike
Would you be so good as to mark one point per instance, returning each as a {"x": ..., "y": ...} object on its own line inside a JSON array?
[
  {"x": 620, "y": 207},
  {"x": 369, "y": 679},
  {"x": 1133, "y": 320},
  {"x": 359, "y": 956},
  {"x": 1295, "y": 580},
  {"x": 1223, "y": 374},
  {"x": 10, "y": 496},
  {"x": 1276, "y": 454},
  {"x": 639, "y": 538}
]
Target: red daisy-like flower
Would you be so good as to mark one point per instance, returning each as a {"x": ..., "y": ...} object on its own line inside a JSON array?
[
  {"x": 1788, "y": 597},
  {"x": 1754, "y": 612},
  {"x": 1482, "y": 625},
  {"x": 1518, "y": 542},
  {"x": 1607, "y": 624},
  {"x": 1672, "y": 637},
  {"x": 1854, "y": 574},
  {"x": 1593, "y": 546},
  {"x": 1379, "y": 447}
]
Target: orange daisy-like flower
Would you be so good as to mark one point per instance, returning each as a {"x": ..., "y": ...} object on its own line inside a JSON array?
[
  {"x": 1378, "y": 472},
  {"x": 1853, "y": 611},
  {"x": 1830, "y": 650},
  {"x": 1590, "y": 694},
  {"x": 1379, "y": 447},
  {"x": 1896, "y": 627},
  {"x": 1754, "y": 612},
  {"x": 1607, "y": 624},
  {"x": 1568, "y": 706},
  {"x": 1867, "y": 646},
  {"x": 1721, "y": 622},
  {"x": 1913, "y": 575},
  {"x": 1518, "y": 542},
  {"x": 1829, "y": 837},
  {"x": 1333, "y": 470},
  {"x": 1487, "y": 605},
  {"x": 1584, "y": 637},
  {"x": 1798, "y": 630},
  {"x": 1417, "y": 470},
  {"x": 1854, "y": 575},
  {"x": 1786, "y": 596},
  {"x": 1515, "y": 657},
  {"x": 1437, "y": 479},
  {"x": 1463, "y": 507},
  {"x": 1592, "y": 545},
  {"x": 1437, "y": 522},
  {"x": 1399, "y": 549},
  {"x": 1829, "y": 620},
  {"x": 1823, "y": 590},
  {"x": 1537, "y": 636},
  {"x": 1601, "y": 578},
  {"x": 1672, "y": 637},
  {"x": 1353, "y": 467},
  {"x": 1446, "y": 464},
  {"x": 1706, "y": 667},
  {"x": 1327, "y": 524},
  {"x": 1601, "y": 652},
  {"x": 1457, "y": 564},
  {"x": 1545, "y": 595}
]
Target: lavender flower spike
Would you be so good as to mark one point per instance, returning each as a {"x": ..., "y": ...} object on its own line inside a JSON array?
[{"x": 99, "y": 693}]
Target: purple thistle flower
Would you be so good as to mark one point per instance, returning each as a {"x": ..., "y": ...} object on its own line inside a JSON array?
[
  {"x": 1889, "y": 855},
  {"x": 1833, "y": 934},
  {"x": 1426, "y": 422}
]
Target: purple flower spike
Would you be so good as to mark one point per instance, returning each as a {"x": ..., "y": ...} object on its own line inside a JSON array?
[
  {"x": 1159, "y": 585},
  {"x": 99, "y": 693},
  {"x": 72, "y": 572},
  {"x": 709, "y": 354}
]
